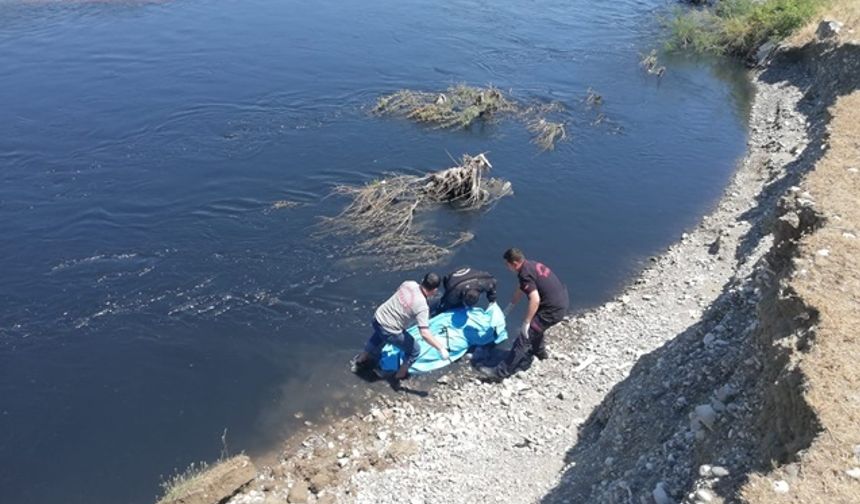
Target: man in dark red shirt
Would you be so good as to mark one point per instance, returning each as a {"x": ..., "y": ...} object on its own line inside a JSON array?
[{"x": 548, "y": 305}]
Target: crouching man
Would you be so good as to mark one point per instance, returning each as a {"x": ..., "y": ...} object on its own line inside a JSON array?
[
  {"x": 548, "y": 305},
  {"x": 406, "y": 306},
  {"x": 464, "y": 288}
]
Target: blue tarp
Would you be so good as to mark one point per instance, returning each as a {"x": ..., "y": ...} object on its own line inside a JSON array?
[{"x": 458, "y": 330}]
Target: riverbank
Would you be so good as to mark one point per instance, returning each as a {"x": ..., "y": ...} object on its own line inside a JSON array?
[{"x": 709, "y": 378}]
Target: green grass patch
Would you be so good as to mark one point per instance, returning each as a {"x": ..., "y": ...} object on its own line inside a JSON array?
[{"x": 739, "y": 27}]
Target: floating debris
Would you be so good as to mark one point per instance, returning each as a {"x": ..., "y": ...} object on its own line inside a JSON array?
[
  {"x": 593, "y": 98},
  {"x": 547, "y": 133},
  {"x": 651, "y": 65},
  {"x": 461, "y": 106},
  {"x": 283, "y": 204},
  {"x": 383, "y": 212}
]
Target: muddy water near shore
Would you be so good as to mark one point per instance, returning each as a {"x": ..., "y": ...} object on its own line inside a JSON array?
[{"x": 153, "y": 296}]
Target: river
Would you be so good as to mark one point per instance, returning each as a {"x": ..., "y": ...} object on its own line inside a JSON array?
[{"x": 152, "y": 297}]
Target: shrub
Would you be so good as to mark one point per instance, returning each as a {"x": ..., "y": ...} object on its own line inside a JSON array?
[{"x": 739, "y": 26}]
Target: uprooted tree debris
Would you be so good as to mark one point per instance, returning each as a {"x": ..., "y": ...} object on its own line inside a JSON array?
[
  {"x": 383, "y": 212},
  {"x": 461, "y": 106}
]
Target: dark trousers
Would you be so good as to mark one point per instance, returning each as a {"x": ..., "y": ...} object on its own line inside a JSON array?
[
  {"x": 525, "y": 344},
  {"x": 403, "y": 341}
]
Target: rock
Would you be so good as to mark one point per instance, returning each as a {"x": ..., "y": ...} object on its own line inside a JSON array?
[
  {"x": 764, "y": 52},
  {"x": 444, "y": 379},
  {"x": 382, "y": 435},
  {"x": 216, "y": 483},
  {"x": 660, "y": 495},
  {"x": 326, "y": 499},
  {"x": 828, "y": 29},
  {"x": 780, "y": 486},
  {"x": 299, "y": 493},
  {"x": 709, "y": 339},
  {"x": 703, "y": 415},
  {"x": 719, "y": 472},
  {"x": 854, "y": 473},
  {"x": 725, "y": 393},
  {"x": 320, "y": 481},
  {"x": 703, "y": 495}
]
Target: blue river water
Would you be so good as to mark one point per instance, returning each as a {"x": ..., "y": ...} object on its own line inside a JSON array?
[{"x": 151, "y": 297}]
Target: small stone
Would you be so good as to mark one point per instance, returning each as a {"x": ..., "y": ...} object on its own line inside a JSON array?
[
  {"x": 704, "y": 495},
  {"x": 709, "y": 338},
  {"x": 660, "y": 495},
  {"x": 704, "y": 470},
  {"x": 320, "y": 481},
  {"x": 822, "y": 252},
  {"x": 849, "y": 236},
  {"x": 725, "y": 393},
  {"x": 780, "y": 486},
  {"x": 382, "y": 435},
  {"x": 443, "y": 379},
  {"x": 647, "y": 297},
  {"x": 560, "y": 396},
  {"x": 854, "y": 473},
  {"x": 719, "y": 471},
  {"x": 298, "y": 493},
  {"x": 705, "y": 415}
]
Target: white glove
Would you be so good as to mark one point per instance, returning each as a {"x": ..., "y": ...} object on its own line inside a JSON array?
[
  {"x": 444, "y": 353},
  {"x": 508, "y": 309},
  {"x": 524, "y": 330}
]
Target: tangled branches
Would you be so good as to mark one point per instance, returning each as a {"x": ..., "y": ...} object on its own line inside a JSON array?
[
  {"x": 458, "y": 107},
  {"x": 383, "y": 212},
  {"x": 461, "y": 106}
]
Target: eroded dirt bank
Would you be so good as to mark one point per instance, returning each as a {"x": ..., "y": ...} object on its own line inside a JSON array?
[{"x": 726, "y": 372}]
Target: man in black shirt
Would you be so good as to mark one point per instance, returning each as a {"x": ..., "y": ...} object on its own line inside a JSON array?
[
  {"x": 548, "y": 304},
  {"x": 464, "y": 287}
]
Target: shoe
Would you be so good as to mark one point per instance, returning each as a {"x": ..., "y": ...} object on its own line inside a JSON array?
[
  {"x": 489, "y": 373},
  {"x": 541, "y": 354}
]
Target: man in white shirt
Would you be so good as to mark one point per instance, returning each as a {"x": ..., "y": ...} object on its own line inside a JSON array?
[{"x": 393, "y": 317}]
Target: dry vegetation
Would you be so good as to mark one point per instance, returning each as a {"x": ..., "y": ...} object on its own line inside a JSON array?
[
  {"x": 829, "y": 470},
  {"x": 383, "y": 212},
  {"x": 462, "y": 106},
  {"x": 845, "y": 11}
]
